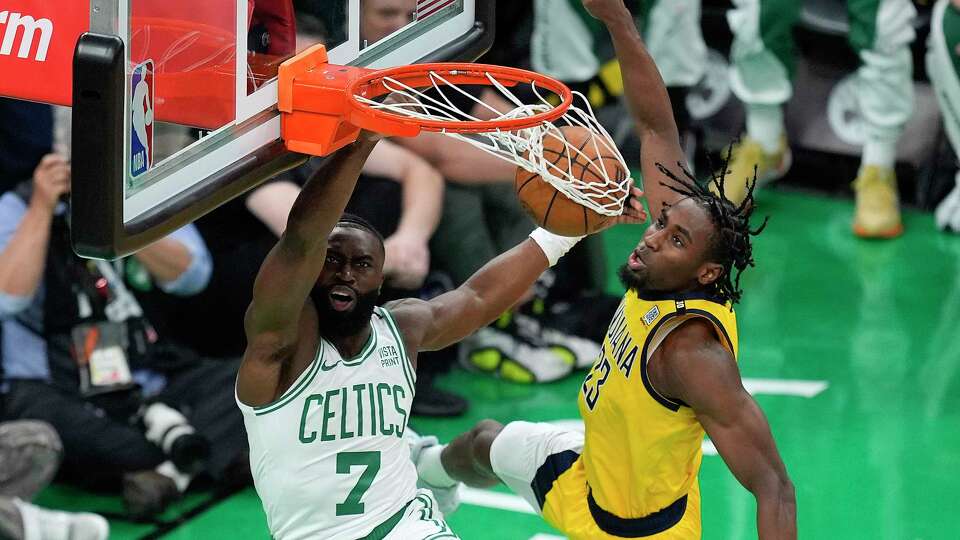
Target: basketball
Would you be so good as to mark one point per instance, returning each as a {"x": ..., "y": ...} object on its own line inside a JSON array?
[{"x": 554, "y": 210}]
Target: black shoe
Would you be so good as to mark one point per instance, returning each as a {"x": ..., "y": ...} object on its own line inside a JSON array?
[
  {"x": 431, "y": 401},
  {"x": 147, "y": 494},
  {"x": 190, "y": 453}
]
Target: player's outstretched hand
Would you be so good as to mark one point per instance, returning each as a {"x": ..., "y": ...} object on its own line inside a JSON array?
[
  {"x": 606, "y": 10},
  {"x": 633, "y": 210}
]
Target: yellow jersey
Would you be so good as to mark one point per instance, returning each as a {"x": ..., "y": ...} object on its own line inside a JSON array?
[{"x": 642, "y": 450}]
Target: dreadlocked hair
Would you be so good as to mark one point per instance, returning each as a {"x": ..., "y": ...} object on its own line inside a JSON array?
[{"x": 730, "y": 245}]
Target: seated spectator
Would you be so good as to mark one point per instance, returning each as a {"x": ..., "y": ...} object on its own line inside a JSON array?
[
  {"x": 85, "y": 348},
  {"x": 30, "y": 454}
]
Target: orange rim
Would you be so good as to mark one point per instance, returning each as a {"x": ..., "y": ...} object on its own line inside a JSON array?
[{"x": 371, "y": 85}]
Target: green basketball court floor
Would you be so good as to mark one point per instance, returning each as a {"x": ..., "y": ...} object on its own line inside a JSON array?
[{"x": 851, "y": 347}]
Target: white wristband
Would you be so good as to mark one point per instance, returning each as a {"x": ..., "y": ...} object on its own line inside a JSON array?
[{"x": 554, "y": 246}]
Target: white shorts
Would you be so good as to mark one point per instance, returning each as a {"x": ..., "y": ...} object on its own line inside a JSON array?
[
  {"x": 422, "y": 520},
  {"x": 528, "y": 457}
]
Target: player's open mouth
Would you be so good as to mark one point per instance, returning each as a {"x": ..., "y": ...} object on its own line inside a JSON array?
[
  {"x": 342, "y": 298},
  {"x": 634, "y": 262}
]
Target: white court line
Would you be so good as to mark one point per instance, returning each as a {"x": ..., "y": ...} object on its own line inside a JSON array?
[
  {"x": 785, "y": 387},
  {"x": 493, "y": 499},
  {"x": 708, "y": 448}
]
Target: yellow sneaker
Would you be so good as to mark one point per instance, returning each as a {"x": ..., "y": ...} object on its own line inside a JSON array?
[
  {"x": 878, "y": 208},
  {"x": 745, "y": 155}
]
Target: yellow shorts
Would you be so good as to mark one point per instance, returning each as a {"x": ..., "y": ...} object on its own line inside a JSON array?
[
  {"x": 542, "y": 464},
  {"x": 566, "y": 509}
]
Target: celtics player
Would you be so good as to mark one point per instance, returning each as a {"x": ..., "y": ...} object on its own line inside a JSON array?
[
  {"x": 943, "y": 67},
  {"x": 327, "y": 378},
  {"x": 667, "y": 373},
  {"x": 762, "y": 56}
]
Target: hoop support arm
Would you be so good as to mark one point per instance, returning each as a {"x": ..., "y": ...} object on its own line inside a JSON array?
[{"x": 316, "y": 115}]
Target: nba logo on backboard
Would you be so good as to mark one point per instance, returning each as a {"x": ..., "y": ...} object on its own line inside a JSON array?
[{"x": 141, "y": 119}]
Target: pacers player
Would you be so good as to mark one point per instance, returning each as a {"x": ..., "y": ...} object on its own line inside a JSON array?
[
  {"x": 327, "y": 378},
  {"x": 667, "y": 372}
]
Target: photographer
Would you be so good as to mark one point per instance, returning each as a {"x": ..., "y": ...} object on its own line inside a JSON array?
[{"x": 84, "y": 348}]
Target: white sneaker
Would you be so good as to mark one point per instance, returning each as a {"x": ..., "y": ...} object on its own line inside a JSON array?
[
  {"x": 580, "y": 351},
  {"x": 498, "y": 353},
  {"x": 573, "y": 350},
  {"x": 42, "y": 524},
  {"x": 448, "y": 498}
]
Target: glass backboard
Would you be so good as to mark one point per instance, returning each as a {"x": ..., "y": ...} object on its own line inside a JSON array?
[{"x": 175, "y": 100}]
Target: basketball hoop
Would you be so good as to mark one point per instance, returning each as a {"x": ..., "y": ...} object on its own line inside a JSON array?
[
  {"x": 440, "y": 114},
  {"x": 326, "y": 105}
]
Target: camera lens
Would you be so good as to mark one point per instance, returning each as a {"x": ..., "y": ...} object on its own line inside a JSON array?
[{"x": 190, "y": 452}]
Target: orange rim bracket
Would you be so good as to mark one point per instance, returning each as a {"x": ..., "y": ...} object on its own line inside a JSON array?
[{"x": 312, "y": 101}]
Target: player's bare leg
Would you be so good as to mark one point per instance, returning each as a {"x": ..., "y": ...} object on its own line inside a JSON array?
[{"x": 465, "y": 459}]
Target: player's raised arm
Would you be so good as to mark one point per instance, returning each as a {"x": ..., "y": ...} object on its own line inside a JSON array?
[
  {"x": 698, "y": 370},
  {"x": 290, "y": 269},
  {"x": 648, "y": 101},
  {"x": 493, "y": 289}
]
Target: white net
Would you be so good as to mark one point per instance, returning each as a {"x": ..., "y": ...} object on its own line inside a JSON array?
[{"x": 596, "y": 174}]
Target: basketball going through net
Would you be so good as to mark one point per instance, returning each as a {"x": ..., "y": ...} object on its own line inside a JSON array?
[{"x": 571, "y": 177}]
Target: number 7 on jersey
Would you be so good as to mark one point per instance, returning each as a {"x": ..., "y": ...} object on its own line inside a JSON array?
[{"x": 352, "y": 506}]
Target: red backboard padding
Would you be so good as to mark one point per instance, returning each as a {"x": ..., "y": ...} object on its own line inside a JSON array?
[{"x": 37, "y": 38}]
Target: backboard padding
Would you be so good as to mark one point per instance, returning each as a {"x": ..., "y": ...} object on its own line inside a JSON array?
[{"x": 114, "y": 215}]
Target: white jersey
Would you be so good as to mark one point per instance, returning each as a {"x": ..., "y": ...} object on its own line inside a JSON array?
[{"x": 328, "y": 457}]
